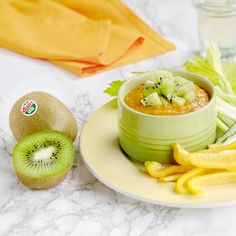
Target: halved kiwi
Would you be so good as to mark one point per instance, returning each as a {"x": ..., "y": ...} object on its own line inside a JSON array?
[{"x": 42, "y": 160}]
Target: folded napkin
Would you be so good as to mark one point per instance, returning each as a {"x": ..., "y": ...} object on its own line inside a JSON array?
[{"x": 83, "y": 36}]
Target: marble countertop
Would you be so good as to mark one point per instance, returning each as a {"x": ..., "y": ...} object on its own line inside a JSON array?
[{"x": 82, "y": 205}]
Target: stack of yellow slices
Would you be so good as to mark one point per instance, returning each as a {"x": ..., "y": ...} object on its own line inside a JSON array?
[{"x": 194, "y": 172}]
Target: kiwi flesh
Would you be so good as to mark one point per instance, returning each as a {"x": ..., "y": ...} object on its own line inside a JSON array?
[
  {"x": 166, "y": 89},
  {"x": 151, "y": 87},
  {"x": 175, "y": 99},
  {"x": 51, "y": 114},
  {"x": 162, "y": 74},
  {"x": 43, "y": 159},
  {"x": 164, "y": 100},
  {"x": 151, "y": 100}
]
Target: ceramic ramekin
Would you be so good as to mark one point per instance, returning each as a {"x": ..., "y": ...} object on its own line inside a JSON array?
[{"x": 150, "y": 137}]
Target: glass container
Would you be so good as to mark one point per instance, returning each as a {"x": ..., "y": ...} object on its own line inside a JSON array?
[{"x": 217, "y": 22}]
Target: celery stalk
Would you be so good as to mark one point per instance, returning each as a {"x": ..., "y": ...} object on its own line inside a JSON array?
[
  {"x": 227, "y": 97},
  {"x": 229, "y": 136},
  {"x": 226, "y": 119},
  {"x": 222, "y": 126},
  {"x": 222, "y": 76}
]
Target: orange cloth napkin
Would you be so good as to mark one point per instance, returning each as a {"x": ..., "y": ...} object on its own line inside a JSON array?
[{"x": 83, "y": 36}]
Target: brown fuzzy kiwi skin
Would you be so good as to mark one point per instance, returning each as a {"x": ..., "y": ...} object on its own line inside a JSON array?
[
  {"x": 51, "y": 114},
  {"x": 43, "y": 183}
]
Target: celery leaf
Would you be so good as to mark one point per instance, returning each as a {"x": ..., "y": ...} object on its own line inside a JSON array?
[
  {"x": 210, "y": 67},
  {"x": 114, "y": 87}
]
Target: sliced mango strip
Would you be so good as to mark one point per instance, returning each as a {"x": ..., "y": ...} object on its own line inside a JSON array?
[
  {"x": 180, "y": 155},
  {"x": 180, "y": 186},
  {"x": 230, "y": 146},
  {"x": 157, "y": 170},
  {"x": 198, "y": 184},
  {"x": 216, "y": 147},
  {"x": 213, "y": 148},
  {"x": 221, "y": 160},
  {"x": 174, "y": 169},
  {"x": 153, "y": 167},
  {"x": 215, "y": 165},
  {"x": 170, "y": 178}
]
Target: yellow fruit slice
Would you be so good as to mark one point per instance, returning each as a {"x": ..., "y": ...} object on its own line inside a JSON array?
[
  {"x": 221, "y": 160},
  {"x": 216, "y": 147},
  {"x": 230, "y": 146},
  {"x": 213, "y": 148},
  {"x": 170, "y": 178},
  {"x": 198, "y": 184},
  {"x": 153, "y": 167},
  {"x": 180, "y": 155},
  {"x": 181, "y": 182},
  {"x": 157, "y": 170}
]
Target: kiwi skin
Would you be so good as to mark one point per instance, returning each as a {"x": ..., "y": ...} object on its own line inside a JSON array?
[
  {"x": 51, "y": 114},
  {"x": 43, "y": 182}
]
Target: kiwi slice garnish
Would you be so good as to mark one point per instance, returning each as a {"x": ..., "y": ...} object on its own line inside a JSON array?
[
  {"x": 167, "y": 90},
  {"x": 42, "y": 160}
]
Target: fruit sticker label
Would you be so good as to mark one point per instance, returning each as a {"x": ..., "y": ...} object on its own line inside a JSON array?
[{"x": 29, "y": 108}]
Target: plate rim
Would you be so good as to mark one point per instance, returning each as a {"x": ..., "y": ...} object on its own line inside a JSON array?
[{"x": 138, "y": 197}]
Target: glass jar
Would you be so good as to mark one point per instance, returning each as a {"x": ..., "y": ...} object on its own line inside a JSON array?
[{"x": 217, "y": 22}]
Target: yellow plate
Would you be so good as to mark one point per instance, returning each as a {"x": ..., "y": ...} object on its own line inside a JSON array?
[{"x": 103, "y": 156}]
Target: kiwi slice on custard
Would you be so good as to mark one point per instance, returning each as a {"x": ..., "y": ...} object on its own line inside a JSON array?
[{"x": 43, "y": 159}]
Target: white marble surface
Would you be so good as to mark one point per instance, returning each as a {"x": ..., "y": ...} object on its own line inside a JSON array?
[{"x": 81, "y": 205}]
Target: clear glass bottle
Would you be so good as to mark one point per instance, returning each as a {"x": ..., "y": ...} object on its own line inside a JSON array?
[{"x": 217, "y": 22}]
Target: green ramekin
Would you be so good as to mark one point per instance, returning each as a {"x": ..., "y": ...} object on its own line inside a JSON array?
[{"x": 147, "y": 137}]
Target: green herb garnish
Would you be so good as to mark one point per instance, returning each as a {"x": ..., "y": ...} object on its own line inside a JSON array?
[{"x": 114, "y": 87}]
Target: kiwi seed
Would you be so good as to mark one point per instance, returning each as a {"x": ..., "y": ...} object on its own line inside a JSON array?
[{"x": 43, "y": 159}]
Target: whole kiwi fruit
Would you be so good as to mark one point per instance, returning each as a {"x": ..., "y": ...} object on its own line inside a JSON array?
[{"x": 38, "y": 111}]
